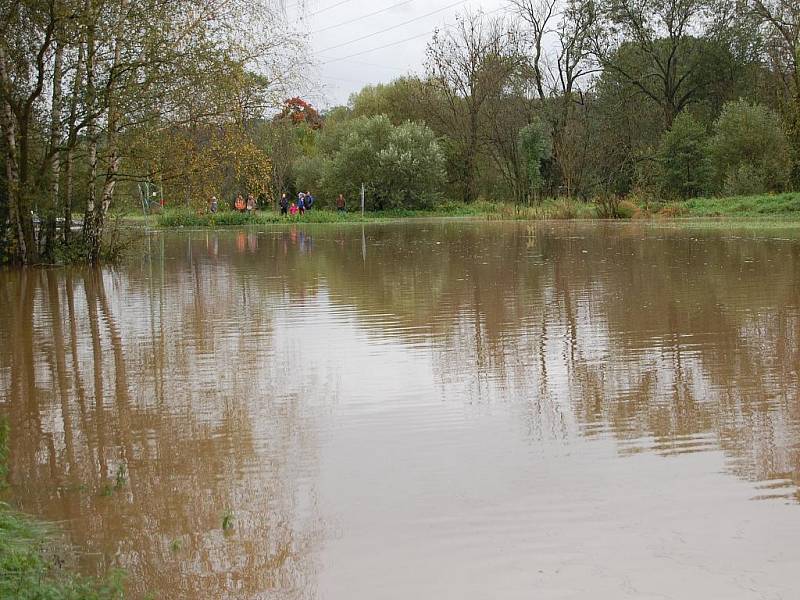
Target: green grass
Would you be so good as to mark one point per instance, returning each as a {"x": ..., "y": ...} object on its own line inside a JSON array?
[
  {"x": 761, "y": 206},
  {"x": 31, "y": 557},
  {"x": 191, "y": 218},
  {"x": 549, "y": 209},
  {"x": 182, "y": 217},
  {"x": 26, "y": 573}
]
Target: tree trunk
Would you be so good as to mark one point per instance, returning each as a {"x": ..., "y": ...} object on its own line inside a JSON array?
[
  {"x": 112, "y": 138},
  {"x": 91, "y": 128},
  {"x": 55, "y": 153},
  {"x": 72, "y": 140},
  {"x": 20, "y": 217},
  {"x": 12, "y": 182},
  {"x": 470, "y": 158},
  {"x": 66, "y": 232}
]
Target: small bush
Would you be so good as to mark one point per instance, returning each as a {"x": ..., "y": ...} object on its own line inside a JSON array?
[
  {"x": 628, "y": 210},
  {"x": 684, "y": 166},
  {"x": 607, "y": 206}
]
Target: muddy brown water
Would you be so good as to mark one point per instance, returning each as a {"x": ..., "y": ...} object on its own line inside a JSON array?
[{"x": 420, "y": 410}]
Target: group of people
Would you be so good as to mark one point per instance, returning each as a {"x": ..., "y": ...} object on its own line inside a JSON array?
[
  {"x": 240, "y": 204},
  {"x": 305, "y": 201}
]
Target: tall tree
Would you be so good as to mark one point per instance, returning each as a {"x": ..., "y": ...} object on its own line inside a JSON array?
[
  {"x": 665, "y": 49},
  {"x": 27, "y": 34},
  {"x": 467, "y": 69},
  {"x": 780, "y": 20}
]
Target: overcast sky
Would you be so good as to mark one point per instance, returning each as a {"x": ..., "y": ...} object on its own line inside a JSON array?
[{"x": 333, "y": 29}]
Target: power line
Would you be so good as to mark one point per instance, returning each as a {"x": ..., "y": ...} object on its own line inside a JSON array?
[
  {"x": 389, "y": 45},
  {"x": 377, "y": 66},
  {"x": 413, "y": 37},
  {"x": 330, "y": 7},
  {"x": 322, "y": 10},
  {"x": 362, "y": 17},
  {"x": 369, "y": 35}
]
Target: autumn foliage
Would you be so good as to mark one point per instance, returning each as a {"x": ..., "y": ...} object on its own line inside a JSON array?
[{"x": 299, "y": 111}]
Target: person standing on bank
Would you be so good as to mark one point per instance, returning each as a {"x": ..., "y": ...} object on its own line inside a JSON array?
[
  {"x": 309, "y": 200},
  {"x": 251, "y": 203},
  {"x": 239, "y": 204},
  {"x": 213, "y": 205},
  {"x": 301, "y": 203},
  {"x": 283, "y": 203},
  {"x": 340, "y": 206}
]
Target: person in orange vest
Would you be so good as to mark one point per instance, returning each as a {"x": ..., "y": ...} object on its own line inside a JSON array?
[{"x": 239, "y": 204}]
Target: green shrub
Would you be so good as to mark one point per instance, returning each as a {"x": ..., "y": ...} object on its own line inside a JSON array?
[
  {"x": 750, "y": 150},
  {"x": 402, "y": 166},
  {"x": 608, "y": 206},
  {"x": 743, "y": 180},
  {"x": 627, "y": 210},
  {"x": 535, "y": 145}
]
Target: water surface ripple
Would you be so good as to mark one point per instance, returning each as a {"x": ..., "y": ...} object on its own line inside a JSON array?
[{"x": 423, "y": 410}]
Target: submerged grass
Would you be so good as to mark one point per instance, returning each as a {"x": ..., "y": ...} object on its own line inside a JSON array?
[
  {"x": 551, "y": 209},
  {"x": 227, "y": 520},
  {"x": 27, "y": 569}
]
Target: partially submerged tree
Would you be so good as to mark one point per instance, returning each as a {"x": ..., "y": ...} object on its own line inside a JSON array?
[{"x": 132, "y": 69}]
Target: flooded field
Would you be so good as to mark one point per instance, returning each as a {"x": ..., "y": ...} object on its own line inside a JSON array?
[{"x": 419, "y": 410}]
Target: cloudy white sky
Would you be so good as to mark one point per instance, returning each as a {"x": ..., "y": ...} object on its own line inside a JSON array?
[{"x": 358, "y": 42}]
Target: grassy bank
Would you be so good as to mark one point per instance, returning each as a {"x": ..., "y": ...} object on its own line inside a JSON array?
[
  {"x": 32, "y": 558},
  {"x": 762, "y": 207},
  {"x": 182, "y": 217},
  {"x": 751, "y": 207},
  {"x": 549, "y": 209}
]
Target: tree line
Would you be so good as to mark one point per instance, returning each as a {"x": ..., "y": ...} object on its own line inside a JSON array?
[{"x": 582, "y": 99}]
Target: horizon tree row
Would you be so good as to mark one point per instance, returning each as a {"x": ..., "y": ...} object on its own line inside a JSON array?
[{"x": 583, "y": 98}]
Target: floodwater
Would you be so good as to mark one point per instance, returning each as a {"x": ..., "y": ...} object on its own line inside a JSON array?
[{"x": 441, "y": 409}]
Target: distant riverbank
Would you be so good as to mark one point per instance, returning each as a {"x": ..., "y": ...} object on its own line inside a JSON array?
[{"x": 779, "y": 207}]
